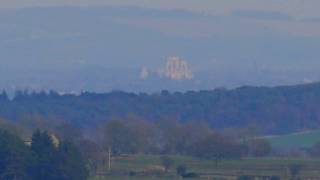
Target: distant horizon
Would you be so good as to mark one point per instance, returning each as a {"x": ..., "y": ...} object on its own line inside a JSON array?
[{"x": 78, "y": 93}]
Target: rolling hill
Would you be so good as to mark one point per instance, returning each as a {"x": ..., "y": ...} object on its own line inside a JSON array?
[{"x": 275, "y": 110}]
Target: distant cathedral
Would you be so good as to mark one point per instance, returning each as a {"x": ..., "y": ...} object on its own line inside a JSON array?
[{"x": 177, "y": 69}]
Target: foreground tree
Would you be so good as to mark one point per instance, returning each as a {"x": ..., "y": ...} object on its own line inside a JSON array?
[
  {"x": 69, "y": 132},
  {"x": 46, "y": 154},
  {"x": 71, "y": 163},
  {"x": 218, "y": 147},
  {"x": 118, "y": 137},
  {"x": 15, "y": 158},
  {"x": 53, "y": 161},
  {"x": 92, "y": 155},
  {"x": 172, "y": 136}
]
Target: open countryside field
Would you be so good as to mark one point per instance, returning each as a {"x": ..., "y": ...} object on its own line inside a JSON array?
[
  {"x": 207, "y": 169},
  {"x": 297, "y": 140}
]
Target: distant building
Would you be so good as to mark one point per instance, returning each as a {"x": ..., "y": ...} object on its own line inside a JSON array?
[
  {"x": 144, "y": 74},
  {"x": 177, "y": 69}
]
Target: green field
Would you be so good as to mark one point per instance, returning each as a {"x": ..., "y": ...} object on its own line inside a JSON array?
[
  {"x": 227, "y": 169},
  {"x": 297, "y": 140}
]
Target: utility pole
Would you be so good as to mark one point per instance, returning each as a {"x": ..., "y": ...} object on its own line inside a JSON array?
[{"x": 109, "y": 159}]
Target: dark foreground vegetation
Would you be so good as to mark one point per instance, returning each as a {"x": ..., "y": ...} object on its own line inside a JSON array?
[
  {"x": 137, "y": 149},
  {"x": 41, "y": 159},
  {"x": 276, "y": 110}
]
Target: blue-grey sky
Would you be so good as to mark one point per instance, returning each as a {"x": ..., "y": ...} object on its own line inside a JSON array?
[
  {"x": 224, "y": 41},
  {"x": 304, "y": 12}
]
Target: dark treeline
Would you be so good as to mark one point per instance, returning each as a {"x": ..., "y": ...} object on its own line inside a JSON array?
[{"x": 275, "y": 110}]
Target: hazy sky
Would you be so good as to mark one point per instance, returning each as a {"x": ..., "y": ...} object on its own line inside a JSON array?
[
  {"x": 278, "y": 40},
  {"x": 295, "y": 8},
  {"x": 302, "y": 17}
]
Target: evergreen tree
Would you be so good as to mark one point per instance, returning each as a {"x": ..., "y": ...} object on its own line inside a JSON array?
[
  {"x": 47, "y": 159},
  {"x": 15, "y": 158},
  {"x": 72, "y": 164},
  {"x": 61, "y": 162}
]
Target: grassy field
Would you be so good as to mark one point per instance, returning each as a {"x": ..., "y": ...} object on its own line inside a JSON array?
[
  {"x": 135, "y": 178},
  {"x": 297, "y": 140},
  {"x": 226, "y": 169}
]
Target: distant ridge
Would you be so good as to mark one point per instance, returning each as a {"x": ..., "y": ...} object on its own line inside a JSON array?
[{"x": 274, "y": 110}]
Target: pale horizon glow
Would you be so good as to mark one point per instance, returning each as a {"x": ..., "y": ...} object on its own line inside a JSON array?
[{"x": 299, "y": 9}]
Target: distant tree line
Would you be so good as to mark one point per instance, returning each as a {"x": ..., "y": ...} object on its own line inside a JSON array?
[{"x": 275, "y": 110}]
